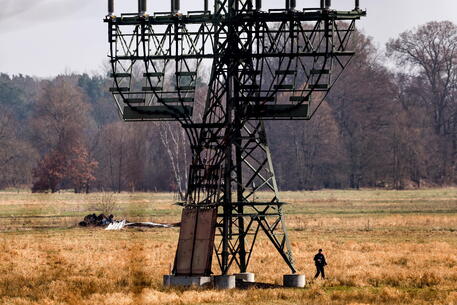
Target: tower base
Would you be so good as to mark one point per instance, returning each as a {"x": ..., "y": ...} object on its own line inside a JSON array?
[
  {"x": 246, "y": 277},
  {"x": 186, "y": 281},
  {"x": 294, "y": 280},
  {"x": 224, "y": 282}
]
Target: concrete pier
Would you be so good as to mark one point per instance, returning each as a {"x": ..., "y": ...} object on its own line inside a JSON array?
[
  {"x": 224, "y": 281},
  {"x": 186, "y": 281},
  {"x": 247, "y": 277},
  {"x": 294, "y": 280}
]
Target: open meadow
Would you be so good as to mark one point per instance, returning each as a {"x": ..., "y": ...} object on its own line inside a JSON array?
[{"x": 383, "y": 247}]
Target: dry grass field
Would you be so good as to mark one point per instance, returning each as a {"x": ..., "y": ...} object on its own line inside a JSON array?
[{"x": 383, "y": 247}]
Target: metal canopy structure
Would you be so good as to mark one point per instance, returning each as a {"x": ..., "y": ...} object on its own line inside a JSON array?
[{"x": 276, "y": 64}]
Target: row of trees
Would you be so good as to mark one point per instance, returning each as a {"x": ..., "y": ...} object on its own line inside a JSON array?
[
  {"x": 383, "y": 126},
  {"x": 379, "y": 127},
  {"x": 65, "y": 133}
]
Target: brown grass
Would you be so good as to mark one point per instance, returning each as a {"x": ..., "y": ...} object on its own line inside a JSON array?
[{"x": 405, "y": 254}]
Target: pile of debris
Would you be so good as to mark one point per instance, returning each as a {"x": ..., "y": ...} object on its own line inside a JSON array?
[
  {"x": 117, "y": 225},
  {"x": 92, "y": 220}
]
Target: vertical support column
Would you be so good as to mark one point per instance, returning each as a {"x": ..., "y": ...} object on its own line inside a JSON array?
[
  {"x": 110, "y": 7},
  {"x": 239, "y": 125},
  {"x": 291, "y": 4},
  {"x": 239, "y": 178},
  {"x": 227, "y": 204},
  {"x": 325, "y": 4},
  {"x": 357, "y": 4},
  {"x": 175, "y": 6},
  {"x": 258, "y": 5},
  {"x": 230, "y": 95},
  {"x": 142, "y": 7}
]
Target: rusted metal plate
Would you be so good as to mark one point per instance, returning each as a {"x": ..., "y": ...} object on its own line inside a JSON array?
[
  {"x": 204, "y": 241},
  {"x": 186, "y": 242},
  {"x": 196, "y": 240}
]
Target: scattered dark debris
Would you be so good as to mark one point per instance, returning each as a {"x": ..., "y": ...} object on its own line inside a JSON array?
[{"x": 92, "y": 220}]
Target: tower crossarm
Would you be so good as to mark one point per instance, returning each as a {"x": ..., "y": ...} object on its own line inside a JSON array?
[{"x": 293, "y": 52}]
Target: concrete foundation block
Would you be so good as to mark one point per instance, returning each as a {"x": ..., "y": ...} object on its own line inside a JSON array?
[
  {"x": 294, "y": 280},
  {"x": 224, "y": 281},
  {"x": 185, "y": 281},
  {"x": 247, "y": 277}
]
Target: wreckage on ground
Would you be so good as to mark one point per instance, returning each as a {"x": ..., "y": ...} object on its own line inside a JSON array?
[{"x": 92, "y": 220}]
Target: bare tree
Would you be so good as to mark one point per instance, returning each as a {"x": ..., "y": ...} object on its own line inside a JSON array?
[
  {"x": 430, "y": 53},
  {"x": 80, "y": 168},
  {"x": 60, "y": 114},
  {"x": 175, "y": 142},
  {"x": 110, "y": 153},
  {"x": 314, "y": 148},
  {"x": 410, "y": 136},
  {"x": 17, "y": 156},
  {"x": 362, "y": 102},
  {"x": 60, "y": 119}
]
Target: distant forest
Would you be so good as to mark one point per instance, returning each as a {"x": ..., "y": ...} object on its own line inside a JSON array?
[{"x": 390, "y": 122}]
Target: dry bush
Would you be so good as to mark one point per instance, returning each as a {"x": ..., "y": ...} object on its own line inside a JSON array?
[{"x": 106, "y": 203}]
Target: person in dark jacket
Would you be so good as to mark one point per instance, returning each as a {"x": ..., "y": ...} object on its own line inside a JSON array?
[{"x": 319, "y": 261}]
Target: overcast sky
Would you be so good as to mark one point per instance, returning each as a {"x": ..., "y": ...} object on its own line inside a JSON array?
[{"x": 47, "y": 37}]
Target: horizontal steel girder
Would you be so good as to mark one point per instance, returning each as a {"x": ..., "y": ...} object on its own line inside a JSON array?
[{"x": 253, "y": 17}]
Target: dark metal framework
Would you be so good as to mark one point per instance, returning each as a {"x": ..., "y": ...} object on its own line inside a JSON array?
[{"x": 266, "y": 65}]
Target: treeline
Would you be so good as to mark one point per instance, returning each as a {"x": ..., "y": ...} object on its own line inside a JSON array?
[
  {"x": 65, "y": 133},
  {"x": 390, "y": 121}
]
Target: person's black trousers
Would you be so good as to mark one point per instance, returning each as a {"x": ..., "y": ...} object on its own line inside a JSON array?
[{"x": 319, "y": 270}]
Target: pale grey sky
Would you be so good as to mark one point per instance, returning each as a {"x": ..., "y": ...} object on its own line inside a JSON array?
[{"x": 47, "y": 37}]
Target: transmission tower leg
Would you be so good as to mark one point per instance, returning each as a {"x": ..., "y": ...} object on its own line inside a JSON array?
[
  {"x": 227, "y": 203},
  {"x": 275, "y": 185},
  {"x": 257, "y": 160},
  {"x": 227, "y": 211},
  {"x": 279, "y": 239},
  {"x": 252, "y": 172},
  {"x": 240, "y": 209}
]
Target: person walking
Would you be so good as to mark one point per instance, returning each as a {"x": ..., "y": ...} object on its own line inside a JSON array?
[{"x": 319, "y": 261}]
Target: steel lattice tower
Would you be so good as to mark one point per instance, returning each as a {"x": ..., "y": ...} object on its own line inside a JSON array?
[{"x": 266, "y": 65}]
